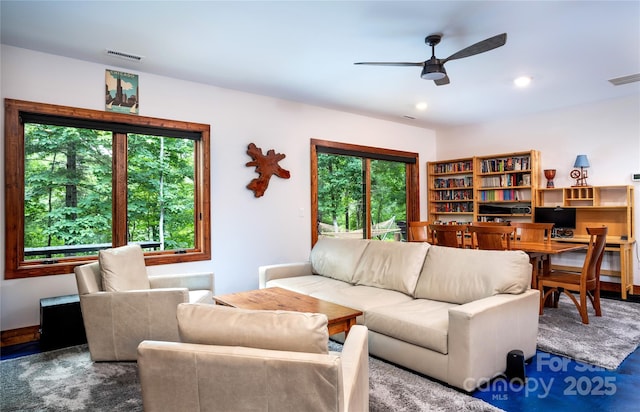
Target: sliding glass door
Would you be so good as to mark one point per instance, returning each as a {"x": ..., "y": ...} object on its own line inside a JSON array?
[
  {"x": 388, "y": 200},
  {"x": 362, "y": 192}
]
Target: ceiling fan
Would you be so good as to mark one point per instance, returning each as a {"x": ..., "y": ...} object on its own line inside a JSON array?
[{"x": 433, "y": 69}]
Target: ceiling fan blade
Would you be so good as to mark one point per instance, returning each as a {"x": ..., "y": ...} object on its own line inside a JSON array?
[
  {"x": 391, "y": 63},
  {"x": 443, "y": 81},
  {"x": 480, "y": 47}
]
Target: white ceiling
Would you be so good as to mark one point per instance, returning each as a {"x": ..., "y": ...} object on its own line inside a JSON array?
[{"x": 305, "y": 50}]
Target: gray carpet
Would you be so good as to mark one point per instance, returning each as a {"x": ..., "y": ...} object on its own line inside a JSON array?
[
  {"x": 606, "y": 341},
  {"x": 393, "y": 389},
  {"x": 67, "y": 380},
  {"x": 396, "y": 390}
]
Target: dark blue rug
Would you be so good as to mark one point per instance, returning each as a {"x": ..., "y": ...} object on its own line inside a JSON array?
[{"x": 557, "y": 383}]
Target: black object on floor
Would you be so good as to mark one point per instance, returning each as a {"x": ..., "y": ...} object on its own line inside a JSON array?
[
  {"x": 61, "y": 323},
  {"x": 515, "y": 366}
]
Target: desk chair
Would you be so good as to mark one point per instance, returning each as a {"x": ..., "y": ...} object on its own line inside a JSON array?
[
  {"x": 533, "y": 232},
  {"x": 585, "y": 283},
  {"x": 419, "y": 231},
  {"x": 491, "y": 237},
  {"x": 448, "y": 235},
  {"x": 538, "y": 233},
  {"x": 490, "y": 223}
]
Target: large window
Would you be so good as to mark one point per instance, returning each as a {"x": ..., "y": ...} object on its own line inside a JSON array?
[
  {"x": 362, "y": 192},
  {"x": 78, "y": 181}
]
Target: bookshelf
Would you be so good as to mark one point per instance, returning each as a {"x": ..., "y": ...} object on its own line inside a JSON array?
[
  {"x": 450, "y": 189},
  {"x": 504, "y": 186},
  {"x": 483, "y": 188},
  {"x": 611, "y": 206},
  {"x": 595, "y": 205}
]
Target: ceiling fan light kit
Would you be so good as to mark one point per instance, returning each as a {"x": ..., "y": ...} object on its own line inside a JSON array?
[
  {"x": 432, "y": 72},
  {"x": 433, "y": 69}
]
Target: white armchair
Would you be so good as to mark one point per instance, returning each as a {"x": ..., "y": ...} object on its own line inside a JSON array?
[
  {"x": 249, "y": 360},
  {"x": 122, "y": 306}
]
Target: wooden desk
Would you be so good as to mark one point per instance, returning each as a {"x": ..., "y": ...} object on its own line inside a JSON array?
[
  {"x": 541, "y": 252},
  {"x": 341, "y": 318},
  {"x": 614, "y": 244}
]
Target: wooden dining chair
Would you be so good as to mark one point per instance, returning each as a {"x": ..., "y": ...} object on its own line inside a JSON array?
[
  {"x": 492, "y": 223},
  {"x": 533, "y": 232},
  {"x": 585, "y": 283},
  {"x": 419, "y": 231},
  {"x": 491, "y": 237},
  {"x": 448, "y": 235}
]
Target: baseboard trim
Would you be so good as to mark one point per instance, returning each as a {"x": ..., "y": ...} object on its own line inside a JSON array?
[
  {"x": 615, "y": 287},
  {"x": 20, "y": 335}
]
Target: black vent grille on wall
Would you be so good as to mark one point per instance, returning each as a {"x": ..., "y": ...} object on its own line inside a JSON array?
[{"x": 123, "y": 55}]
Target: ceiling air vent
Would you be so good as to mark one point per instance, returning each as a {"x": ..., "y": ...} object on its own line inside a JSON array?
[
  {"x": 625, "y": 79},
  {"x": 123, "y": 55}
]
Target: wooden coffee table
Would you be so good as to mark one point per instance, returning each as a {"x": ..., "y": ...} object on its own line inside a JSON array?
[{"x": 341, "y": 318}]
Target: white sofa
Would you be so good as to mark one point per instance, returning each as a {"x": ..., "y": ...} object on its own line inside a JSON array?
[{"x": 452, "y": 314}]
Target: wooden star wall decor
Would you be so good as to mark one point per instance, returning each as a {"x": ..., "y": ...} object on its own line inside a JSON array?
[{"x": 266, "y": 166}]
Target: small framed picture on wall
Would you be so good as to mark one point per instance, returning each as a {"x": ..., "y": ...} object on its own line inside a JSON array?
[{"x": 121, "y": 92}]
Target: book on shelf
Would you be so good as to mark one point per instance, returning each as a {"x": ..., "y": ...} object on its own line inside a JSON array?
[
  {"x": 466, "y": 194},
  {"x": 504, "y": 195},
  {"x": 454, "y": 167},
  {"x": 508, "y": 180},
  {"x": 457, "y": 207},
  {"x": 505, "y": 164},
  {"x": 443, "y": 183}
]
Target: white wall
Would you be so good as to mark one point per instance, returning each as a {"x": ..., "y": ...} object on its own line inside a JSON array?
[
  {"x": 246, "y": 231},
  {"x": 607, "y": 132}
]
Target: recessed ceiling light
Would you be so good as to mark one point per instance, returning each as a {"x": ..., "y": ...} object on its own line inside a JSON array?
[
  {"x": 522, "y": 81},
  {"x": 421, "y": 106}
]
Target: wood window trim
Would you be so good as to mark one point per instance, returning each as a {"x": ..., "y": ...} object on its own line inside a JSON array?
[
  {"x": 15, "y": 265},
  {"x": 412, "y": 175}
]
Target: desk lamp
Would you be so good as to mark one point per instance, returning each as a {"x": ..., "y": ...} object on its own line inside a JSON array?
[{"x": 580, "y": 175}]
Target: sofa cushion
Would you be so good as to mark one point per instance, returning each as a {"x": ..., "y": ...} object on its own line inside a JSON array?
[
  {"x": 464, "y": 275},
  {"x": 422, "y": 322},
  {"x": 362, "y": 298},
  {"x": 391, "y": 265},
  {"x": 308, "y": 284},
  {"x": 337, "y": 258},
  {"x": 263, "y": 329},
  {"x": 122, "y": 268}
]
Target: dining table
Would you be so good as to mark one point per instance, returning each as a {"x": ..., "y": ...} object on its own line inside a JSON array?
[{"x": 540, "y": 255}]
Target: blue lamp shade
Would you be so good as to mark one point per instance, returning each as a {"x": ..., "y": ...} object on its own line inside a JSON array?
[{"x": 581, "y": 161}]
